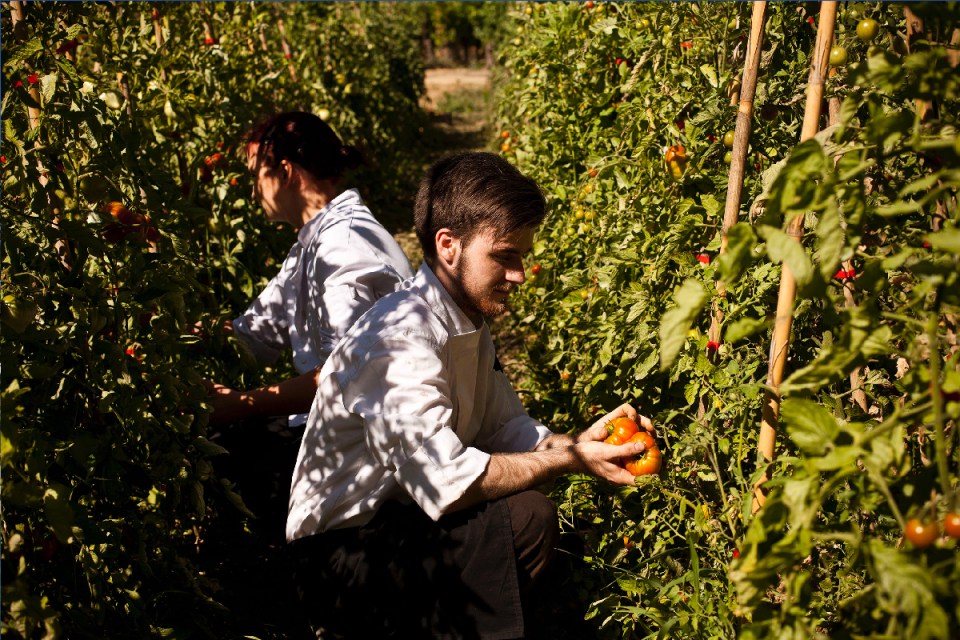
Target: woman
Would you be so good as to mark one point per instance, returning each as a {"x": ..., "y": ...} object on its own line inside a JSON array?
[{"x": 342, "y": 262}]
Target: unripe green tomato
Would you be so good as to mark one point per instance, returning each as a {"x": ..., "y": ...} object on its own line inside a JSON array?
[
  {"x": 323, "y": 114},
  {"x": 728, "y": 157},
  {"x": 867, "y": 29},
  {"x": 838, "y": 56},
  {"x": 728, "y": 138},
  {"x": 644, "y": 24},
  {"x": 94, "y": 187}
]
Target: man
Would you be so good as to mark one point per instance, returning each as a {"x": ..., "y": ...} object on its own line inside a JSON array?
[{"x": 412, "y": 510}]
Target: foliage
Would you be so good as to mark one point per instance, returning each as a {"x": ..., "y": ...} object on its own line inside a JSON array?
[
  {"x": 623, "y": 283},
  {"x": 108, "y": 482}
]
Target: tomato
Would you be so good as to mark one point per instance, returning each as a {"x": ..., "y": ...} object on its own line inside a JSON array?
[
  {"x": 535, "y": 269},
  {"x": 838, "y": 56},
  {"x": 505, "y": 147},
  {"x": 867, "y": 29},
  {"x": 504, "y": 134},
  {"x": 592, "y": 173},
  {"x": 323, "y": 114},
  {"x": 676, "y": 158},
  {"x": 565, "y": 375},
  {"x": 728, "y": 157},
  {"x": 921, "y": 533},
  {"x": 622, "y": 428},
  {"x": 644, "y": 24},
  {"x": 94, "y": 187},
  {"x": 951, "y": 525},
  {"x": 728, "y": 139},
  {"x": 647, "y": 462}
]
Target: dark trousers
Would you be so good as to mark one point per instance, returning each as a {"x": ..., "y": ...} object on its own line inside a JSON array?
[{"x": 403, "y": 575}]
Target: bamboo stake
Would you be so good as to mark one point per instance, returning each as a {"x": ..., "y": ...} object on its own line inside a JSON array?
[
  {"x": 263, "y": 45},
  {"x": 741, "y": 140},
  {"x": 287, "y": 53},
  {"x": 914, "y": 33},
  {"x": 783, "y": 323},
  {"x": 61, "y": 248}
]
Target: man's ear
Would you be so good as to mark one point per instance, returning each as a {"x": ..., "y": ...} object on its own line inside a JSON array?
[{"x": 448, "y": 246}]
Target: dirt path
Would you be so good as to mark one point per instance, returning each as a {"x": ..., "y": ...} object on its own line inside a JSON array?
[{"x": 458, "y": 101}]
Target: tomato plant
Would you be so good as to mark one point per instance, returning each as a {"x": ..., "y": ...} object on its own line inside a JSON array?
[
  {"x": 821, "y": 558},
  {"x": 128, "y": 224}
]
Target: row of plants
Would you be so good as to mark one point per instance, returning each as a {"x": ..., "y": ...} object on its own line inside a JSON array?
[
  {"x": 625, "y": 114},
  {"x": 129, "y": 235}
]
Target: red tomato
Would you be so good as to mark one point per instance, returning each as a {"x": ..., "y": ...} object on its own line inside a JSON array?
[
  {"x": 647, "y": 462},
  {"x": 921, "y": 533},
  {"x": 951, "y": 525}
]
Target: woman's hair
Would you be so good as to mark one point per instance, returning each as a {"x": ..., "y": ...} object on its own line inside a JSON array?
[
  {"x": 472, "y": 192},
  {"x": 305, "y": 140}
]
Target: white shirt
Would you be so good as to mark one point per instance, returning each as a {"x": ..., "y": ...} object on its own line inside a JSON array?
[
  {"x": 410, "y": 406},
  {"x": 343, "y": 261}
]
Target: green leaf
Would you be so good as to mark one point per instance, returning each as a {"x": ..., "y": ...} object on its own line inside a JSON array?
[
  {"x": 946, "y": 240},
  {"x": 741, "y": 241},
  {"x": 831, "y": 240},
  {"x": 809, "y": 425},
  {"x": 59, "y": 513},
  {"x": 744, "y": 328},
  {"x": 48, "y": 86},
  {"x": 789, "y": 251},
  {"x": 690, "y": 298},
  {"x": 710, "y": 74}
]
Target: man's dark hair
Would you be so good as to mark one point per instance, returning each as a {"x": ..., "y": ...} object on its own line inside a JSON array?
[{"x": 471, "y": 192}]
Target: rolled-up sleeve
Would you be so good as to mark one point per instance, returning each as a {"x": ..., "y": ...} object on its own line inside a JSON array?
[
  {"x": 400, "y": 391},
  {"x": 264, "y": 326},
  {"x": 508, "y": 429}
]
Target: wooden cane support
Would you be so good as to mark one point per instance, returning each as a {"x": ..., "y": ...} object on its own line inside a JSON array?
[{"x": 780, "y": 343}]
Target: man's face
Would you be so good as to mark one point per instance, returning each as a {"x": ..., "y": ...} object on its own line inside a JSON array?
[{"x": 489, "y": 269}]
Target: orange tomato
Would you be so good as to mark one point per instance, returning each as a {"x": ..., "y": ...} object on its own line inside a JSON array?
[
  {"x": 921, "y": 533},
  {"x": 622, "y": 428},
  {"x": 951, "y": 525},
  {"x": 647, "y": 462}
]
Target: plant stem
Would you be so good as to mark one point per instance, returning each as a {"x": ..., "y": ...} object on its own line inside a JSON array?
[{"x": 937, "y": 393}]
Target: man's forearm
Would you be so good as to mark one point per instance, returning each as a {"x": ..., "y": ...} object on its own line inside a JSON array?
[{"x": 509, "y": 473}]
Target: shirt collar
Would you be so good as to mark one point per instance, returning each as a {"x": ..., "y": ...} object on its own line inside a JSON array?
[
  {"x": 349, "y": 198},
  {"x": 450, "y": 314}
]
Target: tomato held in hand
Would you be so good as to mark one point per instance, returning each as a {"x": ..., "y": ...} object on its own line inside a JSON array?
[
  {"x": 647, "y": 462},
  {"x": 951, "y": 525},
  {"x": 620, "y": 430},
  {"x": 921, "y": 533}
]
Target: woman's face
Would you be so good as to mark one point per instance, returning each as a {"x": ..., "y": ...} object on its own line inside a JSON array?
[{"x": 268, "y": 185}]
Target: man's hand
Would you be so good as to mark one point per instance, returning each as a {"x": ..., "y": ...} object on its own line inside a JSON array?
[{"x": 605, "y": 460}]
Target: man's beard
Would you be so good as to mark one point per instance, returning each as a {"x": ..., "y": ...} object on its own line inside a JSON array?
[{"x": 486, "y": 306}]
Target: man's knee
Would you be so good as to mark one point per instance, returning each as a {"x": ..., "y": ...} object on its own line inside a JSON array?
[{"x": 536, "y": 531}]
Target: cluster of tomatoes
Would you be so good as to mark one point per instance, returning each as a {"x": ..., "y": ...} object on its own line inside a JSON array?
[
  {"x": 923, "y": 533},
  {"x": 126, "y": 222},
  {"x": 624, "y": 430}
]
